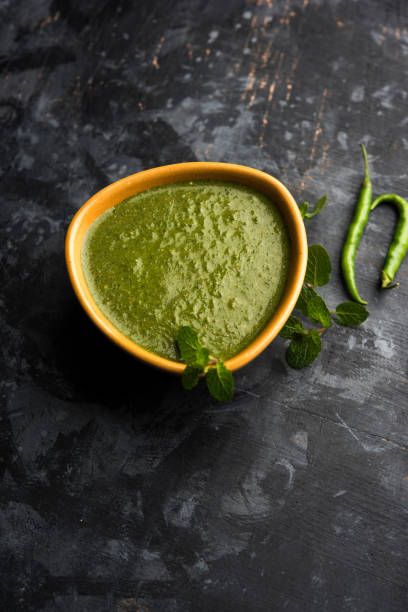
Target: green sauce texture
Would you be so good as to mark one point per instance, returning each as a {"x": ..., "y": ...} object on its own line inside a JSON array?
[{"x": 208, "y": 254}]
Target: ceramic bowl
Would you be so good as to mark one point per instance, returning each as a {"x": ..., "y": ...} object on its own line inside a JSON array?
[{"x": 165, "y": 175}]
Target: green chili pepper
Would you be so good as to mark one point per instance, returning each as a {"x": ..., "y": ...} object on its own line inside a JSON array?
[
  {"x": 399, "y": 245},
  {"x": 355, "y": 231}
]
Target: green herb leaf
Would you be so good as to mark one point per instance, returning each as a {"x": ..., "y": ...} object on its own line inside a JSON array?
[
  {"x": 320, "y": 204},
  {"x": 305, "y": 296},
  {"x": 318, "y": 266},
  {"x": 304, "y": 349},
  {"x": 189, "y": 344},
  {"x": 293, "y": 326},
  {"x": 318, "y": 311},
  {"x": 202, "y": 357},
  {"x": 191, "y": 376},
  {"x": 303, "y": 208},
  {"x": 220, "y": 382},
  {"x": 351, "y": 314}
]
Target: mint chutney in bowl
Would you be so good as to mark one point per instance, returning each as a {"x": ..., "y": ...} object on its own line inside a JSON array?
[{"x": 217, "y": 247}]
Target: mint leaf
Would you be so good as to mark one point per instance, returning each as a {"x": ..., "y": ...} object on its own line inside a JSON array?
[
  {"x": 304, "y": 349},
  {"x": 188, "y": 343},
  {"x": 320, "y": 204},
  {"x": 303, "y": 208},
  {"x": 318, "y": 266},
  {"x": 191, "y": 376},
  {"x": 293, "y": 326},
  {"x": 318, "y": 311},
  {"x": 351, "y": 314},
  {"x": 315, "y": 336},
  {"x": 220, "y": 382},
  {"x": 202, "y": 357},
  {"x": 305, "y": 296}
]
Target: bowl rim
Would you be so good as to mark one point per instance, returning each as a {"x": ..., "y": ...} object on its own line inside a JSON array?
[{"x": 162, "y": 175}]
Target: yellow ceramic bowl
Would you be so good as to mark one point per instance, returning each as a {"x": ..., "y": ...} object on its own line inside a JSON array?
[{"x": 164, "y": 175}]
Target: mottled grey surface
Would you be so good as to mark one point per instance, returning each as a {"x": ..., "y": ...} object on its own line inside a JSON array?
[{"x": 120, "y": 492}]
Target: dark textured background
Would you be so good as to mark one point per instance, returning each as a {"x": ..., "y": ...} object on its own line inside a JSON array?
[{"x": 119, "y": 491}]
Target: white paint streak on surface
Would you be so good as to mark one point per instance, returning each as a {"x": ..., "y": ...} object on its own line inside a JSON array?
[
  {"x": 212, "y": 37},
  {"x": 358, "y": 93},
  {"x": 382, "y": 337},
  {"x": 343, "y": 384},
  {"x": 300, "y": 438},
  {"x": 377, "y": 37},
  {"x": 343, "y": 423},
  {"x": 291, "y": 471},
  {"x": 342, "y": 140},
  {"x": 249, "y": 500},
  {"x": 386, "y": 347},
  {"x": 369, "y": 448},
  {"x": 385, "y": 95},
  {"x": 351, "y": 342}
]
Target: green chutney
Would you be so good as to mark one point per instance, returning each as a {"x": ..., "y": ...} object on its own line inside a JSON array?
[{"x": 212, "y": 255}]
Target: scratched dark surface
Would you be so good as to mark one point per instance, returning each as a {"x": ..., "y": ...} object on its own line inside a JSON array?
[{"x": 119, "y": 491}]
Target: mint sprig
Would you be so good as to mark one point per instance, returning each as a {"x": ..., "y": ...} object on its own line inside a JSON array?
[
  {"x": 189, "y": 344},
  {"x": 304, "y": 208},
  {"x": 306, "y": 344},
  {"x": 319, "y": 266},
  {"x": 200, "y": 363},
  {"x": 293, "y": 326},
  {"x": 191, "y": 376},
  {"x": 305, "y": 296},
  {"x": 304, "y": 349},
  {"x": 351, "y": 314},
  {"x": 220, "y": 382},
  {"x": 318, "y": 311}
]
